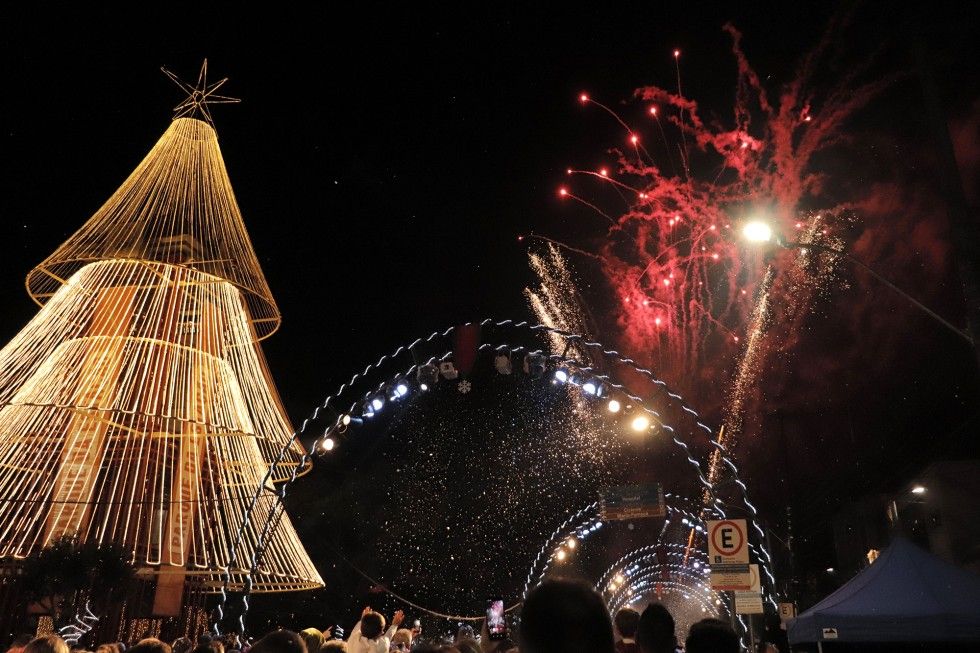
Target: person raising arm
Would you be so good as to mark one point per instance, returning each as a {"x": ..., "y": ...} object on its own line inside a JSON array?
[{"x": 369, "y": 635}]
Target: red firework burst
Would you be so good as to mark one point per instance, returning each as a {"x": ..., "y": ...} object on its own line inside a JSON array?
[{"x": 685, "y": 285}]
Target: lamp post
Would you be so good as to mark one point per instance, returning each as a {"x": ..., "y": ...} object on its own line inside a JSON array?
[{"x": 758, "y": 231}]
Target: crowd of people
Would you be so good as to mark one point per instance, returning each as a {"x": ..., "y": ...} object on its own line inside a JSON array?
[{"x": 559, "y": 616}]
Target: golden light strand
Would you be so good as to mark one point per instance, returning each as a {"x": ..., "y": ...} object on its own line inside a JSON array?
[{"x": 137, "y": 407}]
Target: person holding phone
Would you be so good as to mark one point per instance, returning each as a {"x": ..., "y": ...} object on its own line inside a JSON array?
[
  {"x": 496, "y": 619},
  {"x": 488, "y": 645}
]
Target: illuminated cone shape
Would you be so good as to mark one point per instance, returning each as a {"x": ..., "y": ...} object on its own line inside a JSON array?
[
  {"x": 177, "y": 207},
  {"x": 136, "y": 408}
]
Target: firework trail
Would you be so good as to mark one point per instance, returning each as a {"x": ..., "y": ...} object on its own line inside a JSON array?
[
  {"x": 749, "y": 367},
  {"x": 813, "y": 275},
  {"x": 557, "y": 302}
]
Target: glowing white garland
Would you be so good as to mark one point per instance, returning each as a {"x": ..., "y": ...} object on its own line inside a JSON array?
[
  {"x": 136, "y": 407},
  {"x": 326, "y": 406},
  {"x": 84, "y": 623}
]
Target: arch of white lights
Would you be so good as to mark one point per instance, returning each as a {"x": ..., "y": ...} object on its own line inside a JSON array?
[
  {"x": 581, "y": 373},
  {"x": 653, "y": 582},
  {"x": 653, "y": 575},
  {"x": 688, "y": 520},
  {"x": 578, "y": 527}
]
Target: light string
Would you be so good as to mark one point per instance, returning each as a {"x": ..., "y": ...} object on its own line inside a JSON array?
[
  {"x": 554, "y": 358},
  {"x": 136, "y": 408},
  {"x": 84, "y": 623},
  {"x": 571, "y": 338},
  {"x": 583, "y": 522},
  {"x": 580, "y": 533},
  {"x": 676, "y": 573},
  {"x": 652, "y": 583},
  {"x": 388, "y": 590}
]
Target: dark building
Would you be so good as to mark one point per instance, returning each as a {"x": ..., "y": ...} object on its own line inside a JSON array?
[
  {"x": 937, "y": 509},
  {"x": 860, "y": 526}
]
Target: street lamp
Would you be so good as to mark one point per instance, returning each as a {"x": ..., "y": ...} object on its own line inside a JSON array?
[
  {"x": 640, "y": 423},
  {"x": 757, "y": 231}
]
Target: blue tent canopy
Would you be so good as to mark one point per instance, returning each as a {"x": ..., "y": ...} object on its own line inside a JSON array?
[{"x": 906, "y": 595}]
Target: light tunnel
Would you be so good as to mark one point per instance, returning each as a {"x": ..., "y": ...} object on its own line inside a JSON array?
[{"x": 586, "y": 367}]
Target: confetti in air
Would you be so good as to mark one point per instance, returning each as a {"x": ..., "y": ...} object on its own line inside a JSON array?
[{"x": 462, "y": 490}]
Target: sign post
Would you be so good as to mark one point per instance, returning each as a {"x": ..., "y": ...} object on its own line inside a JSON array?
[{"x": 728, "y": 557}]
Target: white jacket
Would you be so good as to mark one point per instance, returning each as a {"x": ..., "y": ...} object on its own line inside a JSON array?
[{"x": 358, "y": 643}]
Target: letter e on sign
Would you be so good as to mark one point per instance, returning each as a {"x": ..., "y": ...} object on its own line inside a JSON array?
[{"x": 728, "y": 542}]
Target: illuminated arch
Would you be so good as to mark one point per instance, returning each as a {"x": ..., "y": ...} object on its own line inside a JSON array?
[
  {"x": 653, "y": 576},
  {"x": 689, "y": 593},
  {"x": 642, "y": 568},
  {"x": 336, "y": 421},
  {"x": 588, "y": 520}
]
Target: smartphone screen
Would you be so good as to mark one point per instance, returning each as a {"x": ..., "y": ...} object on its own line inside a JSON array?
[{"x": 496, "y": 621}]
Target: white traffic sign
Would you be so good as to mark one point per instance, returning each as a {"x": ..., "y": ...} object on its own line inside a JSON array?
[
  {"x": 731, "y": 581},
  {"x": 787, "y": 611},
  {"x": 751, "y": 602},
  {"x": 748, "y": 603},
  {"x": 736, "y": 578},
  {"x": 728, "y": 542},
  {"x": 756, "y": 579}
]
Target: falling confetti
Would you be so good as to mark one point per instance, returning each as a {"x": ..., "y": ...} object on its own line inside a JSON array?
[{"x": 463, "y": 489}]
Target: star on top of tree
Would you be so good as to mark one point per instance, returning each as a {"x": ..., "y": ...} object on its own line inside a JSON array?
[{"x": 199, "y": 96}]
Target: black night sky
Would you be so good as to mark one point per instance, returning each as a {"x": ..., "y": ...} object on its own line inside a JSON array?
[{"x": 386, "y": 159}]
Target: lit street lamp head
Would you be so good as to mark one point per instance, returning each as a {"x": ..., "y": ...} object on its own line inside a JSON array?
[{"x": 757, "y": 231}]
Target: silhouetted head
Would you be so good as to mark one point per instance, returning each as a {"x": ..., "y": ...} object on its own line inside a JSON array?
[
  {"x": 711, "y": 636},
  {"x": 565, "y": 616},
  {"x": 372, "y": 625},
  {"x": 46, "y": 644},
  {"x": 279, "y": 641},
  {"x": 150, "y": 645},
  {"x": 313, "y": 639},
  {"x": 655, "y": 630},
  {"x": 626, "y": 620}
]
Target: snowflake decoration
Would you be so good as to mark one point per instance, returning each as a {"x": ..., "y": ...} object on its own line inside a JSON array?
[{"x": 464, "y": 386}]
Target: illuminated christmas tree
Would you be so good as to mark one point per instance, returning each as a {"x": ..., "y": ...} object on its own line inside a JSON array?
[{"x": 137, "y": 408}]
